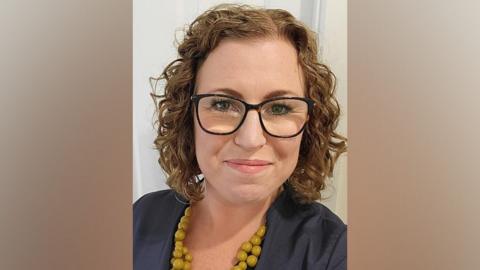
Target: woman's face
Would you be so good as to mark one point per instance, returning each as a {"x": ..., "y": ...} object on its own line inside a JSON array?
[{"x": 252, "y": 70}]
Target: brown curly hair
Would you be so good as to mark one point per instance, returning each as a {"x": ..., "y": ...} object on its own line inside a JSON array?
[{"x": 320, "y": 146}]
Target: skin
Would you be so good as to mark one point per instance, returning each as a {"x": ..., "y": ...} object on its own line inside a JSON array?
[{"x": 236, "y": 201}]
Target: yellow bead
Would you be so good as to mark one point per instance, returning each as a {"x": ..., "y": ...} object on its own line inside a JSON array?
[
  {"x": 243, "y": 265},
  {"x": 256, "y": 250},
  {"x": 178, "y": 244},
  {"x": 184, "y": 219},
  {"x": 242, "y": 255},
  {"x": 188, "y": 257},
  {"x": 172, "y": 260},
  {"x": 255, "y": 240},
  {"x": 247, "y": 246},
  {"x": 236, "y": 267},
  {"x": 179, "y": 235},
  {"x": 185, "y": 250},
  {"x": 183, "y": 225},
  {"x": 252, "y": 261},
  {"x": 177, "y": 253},
  {"x": 261, "y": 231},
  {"x": 188, "y": 211},
  {"x": 178, "y": 264},
  {"x": 187, "y": 266}
]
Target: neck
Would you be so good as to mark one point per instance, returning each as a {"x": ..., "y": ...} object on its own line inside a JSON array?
[{"x": 229, "y": 218}]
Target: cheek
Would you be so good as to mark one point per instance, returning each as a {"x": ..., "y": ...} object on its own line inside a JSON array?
[
  {"x": 287, "y": 153},
  {"x": 289, "y": 149},
  {"x": 207, "y": 148}
]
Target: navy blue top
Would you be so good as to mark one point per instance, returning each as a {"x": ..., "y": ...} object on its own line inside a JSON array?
[{"x": 299, "y": 236}]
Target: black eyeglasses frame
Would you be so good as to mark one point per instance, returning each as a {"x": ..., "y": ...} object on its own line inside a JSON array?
[{"x": 257, "y": 107}]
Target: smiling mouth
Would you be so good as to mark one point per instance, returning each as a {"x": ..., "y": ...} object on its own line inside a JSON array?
[{"x": 248, "y": 166}]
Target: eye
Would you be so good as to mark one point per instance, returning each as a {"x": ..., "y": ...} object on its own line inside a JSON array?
[
  {"x": 223, "y": 105},
  {"x": 220, "y": 105},
  {"x": 279, "y": 109}
]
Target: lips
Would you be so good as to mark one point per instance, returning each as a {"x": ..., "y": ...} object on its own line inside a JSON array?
[
  {"x": 249, "y": 162},
  {"x": 249, "y": 166}
]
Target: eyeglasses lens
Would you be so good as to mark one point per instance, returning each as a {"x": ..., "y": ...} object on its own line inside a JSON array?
[{"x": 280, "y": 117}]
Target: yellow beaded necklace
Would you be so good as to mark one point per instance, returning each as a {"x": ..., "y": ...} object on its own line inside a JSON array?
[{"x": 247, "y": 255}]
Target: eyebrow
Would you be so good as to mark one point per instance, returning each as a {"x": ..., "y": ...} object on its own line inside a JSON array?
[{"x": 234, "y": 93}]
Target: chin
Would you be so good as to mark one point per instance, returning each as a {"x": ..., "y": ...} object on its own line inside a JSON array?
[{"x": 249, "y": 193}]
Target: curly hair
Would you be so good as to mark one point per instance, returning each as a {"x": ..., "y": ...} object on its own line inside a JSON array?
[{"x": 320, "y": 146}]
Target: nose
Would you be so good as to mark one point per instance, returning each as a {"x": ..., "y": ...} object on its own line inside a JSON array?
[{"x": 250, "y": 135}]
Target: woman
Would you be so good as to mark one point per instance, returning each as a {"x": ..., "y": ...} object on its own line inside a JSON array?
[{"x": 247, "y": 106}]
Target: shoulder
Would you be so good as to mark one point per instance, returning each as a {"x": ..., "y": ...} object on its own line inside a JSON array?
[
  {"x": 311, "y": 218},
  {"x": 155, "y": 211},
  {"x": 155, "y": 216},
  {"x": 154, "y": 199},
  {"x": 318, "y": 224},
  {"x": 326, "y": 234},
  {"x": 311, "y": 235},
  {"x": 318, "y": 217},
  {"x": 157, "y": 202},
  {"x": 334, "y": 235}
]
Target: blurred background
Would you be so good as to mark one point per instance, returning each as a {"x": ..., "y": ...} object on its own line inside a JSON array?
[{"x": 156, "y": 26}]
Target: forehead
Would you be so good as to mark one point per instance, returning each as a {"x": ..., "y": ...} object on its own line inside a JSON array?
[{"x": 253, "y": 68}]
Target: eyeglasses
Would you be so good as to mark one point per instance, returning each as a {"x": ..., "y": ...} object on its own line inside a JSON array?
[{"x": 282, "y": 117}]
